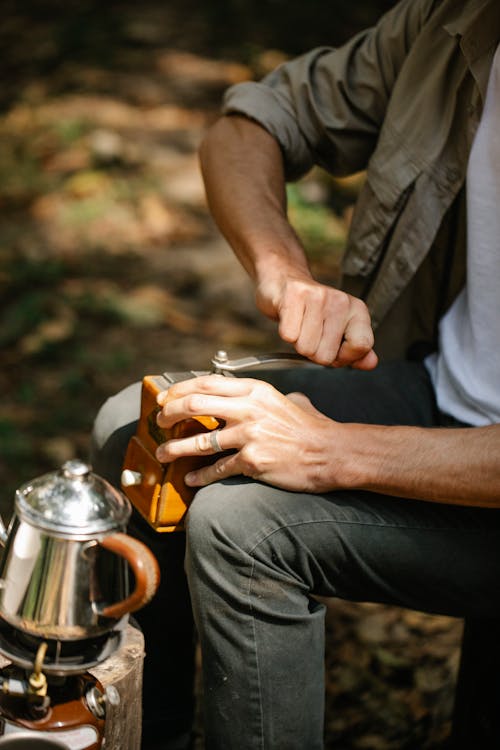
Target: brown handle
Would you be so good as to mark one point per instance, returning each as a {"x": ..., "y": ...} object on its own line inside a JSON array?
[{"x": 145, "y": 568}]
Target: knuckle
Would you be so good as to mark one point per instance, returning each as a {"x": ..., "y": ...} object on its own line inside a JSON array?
[
  {"x": 287, "y": 334},
  {"x": 296, "y": 287},
  {"x": 194, "y": 403},
  {"x": 323, "y": 294},
  {"x": 359, "y": 305},
  {"x": 366, "y": 343},
  {"x": 202, "y": 442},
  {"x": 259, "y": 387},
  {"x": 324, "y": 359},
  {"x": 361, "y": 313},
  {"x": 172, "y": 391},
  {"x": 361, "y": 344},
  {"x": 305, "y": 349},
  {"x": 341, "y": 303},
  {"x": 249, "y": 461},
  {"x": 253, "y": 432},
  {"x": 208, "y": 382},
  {"x": 252, "y": 398},
  {"x": 219, "y": 468}
]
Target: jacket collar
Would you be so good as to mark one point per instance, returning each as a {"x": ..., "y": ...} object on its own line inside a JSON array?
[{"x": 476, "y": 24}]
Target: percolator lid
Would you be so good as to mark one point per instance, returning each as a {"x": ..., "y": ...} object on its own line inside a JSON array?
[{"x": 73, "y": 500}]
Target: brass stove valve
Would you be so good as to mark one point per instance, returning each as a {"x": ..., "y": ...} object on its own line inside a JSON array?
[{"x": 37, "y": 681}]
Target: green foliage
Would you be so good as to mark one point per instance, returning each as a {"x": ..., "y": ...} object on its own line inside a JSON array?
[
  {"x": 320, "y": 230},
  {"x": 22, "y": 315},
  {"x": 27, "y": 273},
  {"x": 14, "y": 444},
  {"x": 71, "y": 130}
]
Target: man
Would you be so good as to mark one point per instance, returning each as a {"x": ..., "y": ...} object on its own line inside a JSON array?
[{"x": 382, "y": 482}]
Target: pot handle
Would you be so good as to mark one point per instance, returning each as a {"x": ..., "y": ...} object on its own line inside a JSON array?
[{"x": 145, "y": 568}]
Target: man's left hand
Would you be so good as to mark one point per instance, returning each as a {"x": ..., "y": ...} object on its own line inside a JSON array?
[{"x": 278, "y": 439}]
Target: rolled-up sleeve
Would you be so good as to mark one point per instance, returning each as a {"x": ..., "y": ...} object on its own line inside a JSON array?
[{"x": 326, "y": 107}]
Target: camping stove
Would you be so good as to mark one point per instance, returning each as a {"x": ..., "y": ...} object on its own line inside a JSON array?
[{"x": 47, "y": 696}]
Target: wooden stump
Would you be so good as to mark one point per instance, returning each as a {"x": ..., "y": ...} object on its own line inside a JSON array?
[{"x": 123, "y": 672}]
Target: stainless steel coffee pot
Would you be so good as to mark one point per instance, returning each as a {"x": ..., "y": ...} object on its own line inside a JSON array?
[{"x": 64, "y": 572}]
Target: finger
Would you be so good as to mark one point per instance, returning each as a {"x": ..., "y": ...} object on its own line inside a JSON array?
[
  {"x": 323, "y": 326},
  {"x": 327, "y": 350},
  {"x": 219, "y": 385},
  {"x": 201, "y": 444},
  {"x": 302, "y": 314},
  {"x": 368, "y": 362},
  {"x": 311, "y": 331},
  {"x": 199, "y": 404},
  {"x": 358, "y": 341},
  {"x": 225, "y": 467},
  {"x": 291, "y": 314},
  {"x": 332, "y": 338}
]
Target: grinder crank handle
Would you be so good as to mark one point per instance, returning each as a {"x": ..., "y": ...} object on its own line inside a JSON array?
[
  {"x": 221, "y": 364},
  {"x": 145, "y": 568}
]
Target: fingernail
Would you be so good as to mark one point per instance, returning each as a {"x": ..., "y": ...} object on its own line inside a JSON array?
[
  {"x": 161, "y": 398},
  {"x": 190, "y": 478}
]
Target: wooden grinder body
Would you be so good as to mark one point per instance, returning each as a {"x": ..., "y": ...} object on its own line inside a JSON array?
[
  {"x": 158, "y": 490},
  {"x": 161, "y": 496}
]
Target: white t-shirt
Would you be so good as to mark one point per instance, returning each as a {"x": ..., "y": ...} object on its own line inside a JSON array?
[{"x": 466, "y": 371}]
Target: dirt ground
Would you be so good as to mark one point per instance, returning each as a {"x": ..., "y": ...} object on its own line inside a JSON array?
[{"x": 111, "y": 268}]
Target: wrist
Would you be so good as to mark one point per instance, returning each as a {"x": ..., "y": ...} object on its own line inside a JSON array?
[
  {"x": 355, "y": 463},
  {"x": 276, "y": 262}
]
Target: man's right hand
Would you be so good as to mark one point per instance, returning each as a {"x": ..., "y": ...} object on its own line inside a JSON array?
[
  {"x": 324, "y": 324},
  {"x": 243, "y": 170}
]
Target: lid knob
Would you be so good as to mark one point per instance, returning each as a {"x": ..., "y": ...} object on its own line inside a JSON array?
[{"x": 76, "y": 469}]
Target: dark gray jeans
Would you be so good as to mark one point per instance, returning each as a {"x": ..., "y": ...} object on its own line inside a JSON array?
[{"x": 256, "y": 555}]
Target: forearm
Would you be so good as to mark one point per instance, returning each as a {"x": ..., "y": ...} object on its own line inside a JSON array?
[
  {"x": 244, "y": 178},
  {"x": 242, "y": 168},
  {"x": 459, "y": 466},
  {"x": 285, "y": 441}
]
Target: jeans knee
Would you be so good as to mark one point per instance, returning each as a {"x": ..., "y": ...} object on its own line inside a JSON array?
[
  {"x": 118, "y": 411},
  {"x": 210, "y": 515},
  {"x": 224, "y": 516},
  {"x": 114, "y": 425}
]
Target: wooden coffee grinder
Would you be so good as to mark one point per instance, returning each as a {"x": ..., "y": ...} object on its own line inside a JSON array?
[{"x": 158, "y": 490}]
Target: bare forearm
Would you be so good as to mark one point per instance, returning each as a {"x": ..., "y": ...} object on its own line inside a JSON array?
[
  {"x": 285, "y": 441},
  {"x": 242, "y": 169},
  {"x": 459, "y": 466}
]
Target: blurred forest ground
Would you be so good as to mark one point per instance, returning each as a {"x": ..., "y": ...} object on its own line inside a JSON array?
[{"x": 110, "y": 268}]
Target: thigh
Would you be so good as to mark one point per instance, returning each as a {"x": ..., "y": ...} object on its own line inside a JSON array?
[
  {"x": 397, "y": 392},
  {"x": 114, "y": 425},
  {"x": 355, "y": 545}
]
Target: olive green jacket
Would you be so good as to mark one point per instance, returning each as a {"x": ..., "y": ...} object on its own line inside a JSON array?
[{"x": 403, "y": 101}]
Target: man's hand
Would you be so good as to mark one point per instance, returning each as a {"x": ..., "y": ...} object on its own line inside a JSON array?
[
  {"x": 281, "y": 440},
  {"x": 324, "y": 324},
  {"x": 286, "y": 442},
  {"x": 242, "y": 168}
]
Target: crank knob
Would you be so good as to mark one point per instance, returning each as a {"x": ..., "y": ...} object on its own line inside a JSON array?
[{"x": 130, "y": 478}]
